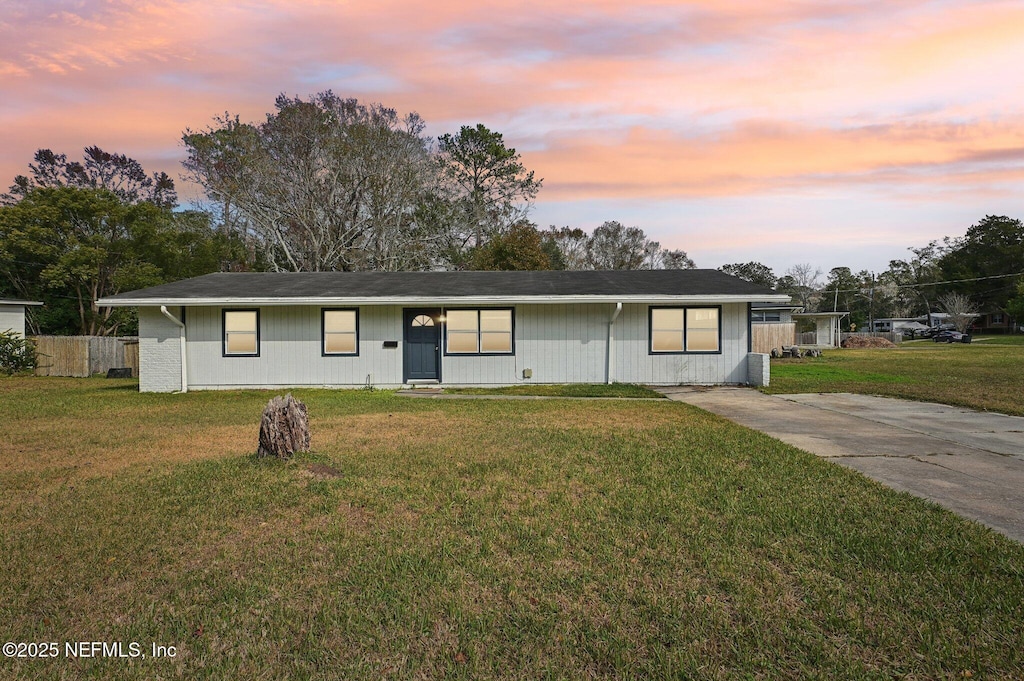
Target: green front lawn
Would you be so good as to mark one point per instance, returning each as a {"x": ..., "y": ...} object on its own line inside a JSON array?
[
  {"x": 1008, "y": 339},
  {"x": 983, "y": 375},
  {"x": 475, "y": 539},
  {"x": 564, "y": 390}
]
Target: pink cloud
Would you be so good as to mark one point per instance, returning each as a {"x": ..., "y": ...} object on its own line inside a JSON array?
[{"x": 654, "y": 98}]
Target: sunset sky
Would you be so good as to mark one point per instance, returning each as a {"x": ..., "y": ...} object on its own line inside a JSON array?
[{"x": 832, "y": 132}]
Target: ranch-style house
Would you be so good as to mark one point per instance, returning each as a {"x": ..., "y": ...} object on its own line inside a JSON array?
[{"x": 389, "y": 329}]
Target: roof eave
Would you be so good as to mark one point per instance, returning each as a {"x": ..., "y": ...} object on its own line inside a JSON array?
[{"x": 448, "y": 301}]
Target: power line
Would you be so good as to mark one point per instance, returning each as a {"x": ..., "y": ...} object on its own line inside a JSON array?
[{"x": 931, "y": 283}]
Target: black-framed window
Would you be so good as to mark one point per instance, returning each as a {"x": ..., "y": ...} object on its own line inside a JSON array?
[
  {"x": 678, "y": 330},
  {"x": 339, "y": 331},
  {"x": 766, "y": 316},
  {"x": 482, "y": 331},
  {"x": 241, "y": 333}
]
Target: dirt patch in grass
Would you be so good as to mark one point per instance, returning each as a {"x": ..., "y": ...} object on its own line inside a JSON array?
[
  {"x": 600, "y": 418},
  {"x": 393, "y": 430},
  {"x": 321, "y": 470},
  {"x": 103, "y": 453}
]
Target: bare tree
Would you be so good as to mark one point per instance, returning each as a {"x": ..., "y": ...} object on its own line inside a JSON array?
[
  {"x": 613, "y": 246},
  {"x": 673, "y": 260},
  {"x": 573, "y": 244},
  {"x": 324, "y": 184},
  {"x": 802, "y": 281},
  {"x": 960, "y": 310}
]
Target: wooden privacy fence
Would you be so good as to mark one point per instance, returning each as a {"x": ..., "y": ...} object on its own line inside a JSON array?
[
  {"x": 82, "y": 356},
  {"x": 764, "y": 337}
]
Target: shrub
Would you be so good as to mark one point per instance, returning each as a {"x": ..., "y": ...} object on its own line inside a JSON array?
[{"x": 17, "y": 354}]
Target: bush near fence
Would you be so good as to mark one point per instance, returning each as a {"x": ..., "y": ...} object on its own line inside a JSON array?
[
  {"x": 891, "y": 336},
  {"x": 811, "y": 337},
  {"x": 81, "y": 356}
]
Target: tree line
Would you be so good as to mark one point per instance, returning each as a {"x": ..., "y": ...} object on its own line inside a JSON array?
[
  {"x": 981, "y": 272},
  {"x": 322, "y": 184},
  {"x": 332, "y": 184}
]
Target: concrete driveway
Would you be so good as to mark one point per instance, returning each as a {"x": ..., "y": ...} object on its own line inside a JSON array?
[{"x": 967, "y": 461}]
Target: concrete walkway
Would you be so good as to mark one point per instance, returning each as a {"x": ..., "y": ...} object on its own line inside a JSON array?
[{"x": 970, "y": 462}]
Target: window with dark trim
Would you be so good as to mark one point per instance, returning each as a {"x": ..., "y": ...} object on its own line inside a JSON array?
[
  {"x": 241, "y": 333},
  {"x": 339, "y": 331},
  {"x": 485, "y": 331},
  {"x": 678, "y": 330},
  {"x": 766, "y": 316}
]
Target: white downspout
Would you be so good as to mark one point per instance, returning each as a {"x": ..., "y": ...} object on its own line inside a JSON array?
[
  {"x": 611, "y": 341},
  {"x": 181, "y": 335}
]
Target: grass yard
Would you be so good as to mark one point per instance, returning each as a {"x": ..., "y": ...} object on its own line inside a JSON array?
[
  {"x": 565, "y": 390},
  {"x": 982, "y": 375},
  {"x": 474, "y": 539},
  {"x": 1008, "y": 339}
]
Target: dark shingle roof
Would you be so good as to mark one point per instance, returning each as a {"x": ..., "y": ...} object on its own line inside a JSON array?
[{"x": 299, "y": 286}]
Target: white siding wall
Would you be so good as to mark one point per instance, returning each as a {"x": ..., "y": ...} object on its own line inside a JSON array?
[
  {"x": 12, "y": 318},
  {"x": 569, "y": 344},
  {"x": 290, "y": 350},
  {"x": 559, "y": 343},
  {"x": 634, "y": 364},
  {"x": 159, "y": 351}
]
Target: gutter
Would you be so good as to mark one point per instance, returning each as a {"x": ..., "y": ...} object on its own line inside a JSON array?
[
  {"x": 611, "y": 341},
  {"x": 443, "y": 301},
  {"x": 181, "y": 336}
]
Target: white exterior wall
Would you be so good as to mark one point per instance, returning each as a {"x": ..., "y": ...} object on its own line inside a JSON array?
[
  {"x": 569, "y": 344},
  {"x": 558, "y": 343},
  {"x": 12, "y": 318},
  {"x": 159, "y": 351},
  {"x": 290, "y": 350},
  {"x": 633, "y": 363}
]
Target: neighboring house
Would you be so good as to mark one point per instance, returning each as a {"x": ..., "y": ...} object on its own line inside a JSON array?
[
  {"x": 761, "y": 313},
  {"x": 775, "y": 326},
  {"x": 12, "y": 315},
  {"x": 826, "y": 327},
  {"x": 263, "y": 330},
  {"x": 891, "y": 324},
  {"x": 772, "y": 326},
  {"x": 995, "y": 322}
]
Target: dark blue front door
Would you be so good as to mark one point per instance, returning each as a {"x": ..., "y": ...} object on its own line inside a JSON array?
[{"x": 422, "y": 345}]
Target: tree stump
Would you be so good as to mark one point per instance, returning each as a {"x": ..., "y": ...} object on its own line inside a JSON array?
[{"x": 284, "y": 428}]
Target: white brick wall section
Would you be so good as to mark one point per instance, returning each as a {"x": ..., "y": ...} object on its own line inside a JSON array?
[
  {"x": 159, "y": 352},
  {"x": 758, "y": 369}
]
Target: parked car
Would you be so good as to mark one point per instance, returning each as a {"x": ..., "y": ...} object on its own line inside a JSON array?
[
  {"x": 932, "y": 331},
  {"x": 951, "y": 337}
]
